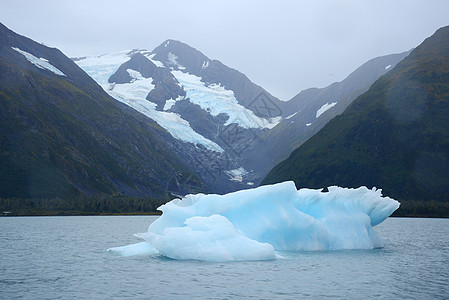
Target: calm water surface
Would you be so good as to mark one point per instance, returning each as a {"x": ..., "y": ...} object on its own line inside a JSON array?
[{"x": 66, "y": 257}]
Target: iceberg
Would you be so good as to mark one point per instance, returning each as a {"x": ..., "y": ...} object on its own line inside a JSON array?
[{"x": 254, "y": 224}]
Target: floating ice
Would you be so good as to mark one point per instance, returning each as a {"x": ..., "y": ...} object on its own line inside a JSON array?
[
  {"x": 142, "y": 248},
  {"x": 212, "y": 238},
  {"x": 253, "y": 224}
]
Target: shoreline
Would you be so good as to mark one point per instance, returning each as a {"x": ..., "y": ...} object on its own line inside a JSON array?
[{"x": 157, "y": 213}]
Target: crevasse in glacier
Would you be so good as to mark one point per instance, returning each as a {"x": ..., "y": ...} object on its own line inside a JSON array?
[{"x": 253, "y": 224}]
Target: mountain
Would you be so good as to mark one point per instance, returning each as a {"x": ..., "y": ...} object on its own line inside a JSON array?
[
  {"x": 308, "y": 112},
  {"x": 180, "y": 56},
  {"x": 215, "y": 111},
  {"x": 237, "y": 129},
  {"x": 62, "y": 136},
  {"x": 395, "y": 136}
]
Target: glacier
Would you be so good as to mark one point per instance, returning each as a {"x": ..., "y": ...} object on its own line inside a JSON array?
[
  {"x": 134, "y": 94},
  {"x": 100, "y": 68},
  {"x": 213, "y": 98},
  {"x": 258, "y": 223},
  {"x": 216, "y": 99}
]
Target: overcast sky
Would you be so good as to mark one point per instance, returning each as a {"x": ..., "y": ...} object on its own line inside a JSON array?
[{"x": 284, "y": 46}]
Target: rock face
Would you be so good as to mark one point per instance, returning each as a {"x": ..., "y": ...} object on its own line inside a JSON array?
[
  {"x": 62, "y": 136},
  {"x": 166, "y": 87},
  {"x": 394, "y": 136}
]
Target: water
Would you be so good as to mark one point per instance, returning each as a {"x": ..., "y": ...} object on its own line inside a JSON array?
[{"x": 65, "y": 257}]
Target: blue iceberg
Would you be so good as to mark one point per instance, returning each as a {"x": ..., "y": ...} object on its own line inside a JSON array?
[{"x": 253, "y": 224}]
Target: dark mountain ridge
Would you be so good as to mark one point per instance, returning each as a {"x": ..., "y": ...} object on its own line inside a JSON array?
[
  {"x": 301, "y": 118},
  {"x": 395, "y": 136},
  {"x": 63, "y": 136}
]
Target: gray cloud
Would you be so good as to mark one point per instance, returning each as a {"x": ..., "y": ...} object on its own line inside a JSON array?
[{"x": 284, "y": 46}]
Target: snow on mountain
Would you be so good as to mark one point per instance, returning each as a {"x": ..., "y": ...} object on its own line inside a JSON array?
[
  {"x": 134, "y": 94},
  {"x": 205, "y": 65},
  {"x": 173, "y": 123},
  {"x": 216, "y": 100},
  {"x": 150, "y": 56},
  {"x": 291, "y": 116},
  {"x": 237, "y": 174},
  {"x": 213, "y": 98},
  {"x": 324, "y": 108},
  {"x": 41, "y": 63},
  {"x": 100, "y": 68},
  {"x": 137, "y": 89},
  {"x": 172, "y": 59},
  {"x": 170, "y": 102}
]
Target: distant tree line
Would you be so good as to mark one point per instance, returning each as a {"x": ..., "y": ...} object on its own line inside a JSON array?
[
  {"x": 84, "y": 205},
  {"x": 414, "y": 208}
]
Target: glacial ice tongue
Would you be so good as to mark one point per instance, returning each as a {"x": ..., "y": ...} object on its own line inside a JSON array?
[{"x": 253, "y": 224}]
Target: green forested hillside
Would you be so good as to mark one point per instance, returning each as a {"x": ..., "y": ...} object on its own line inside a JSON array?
[{"x": 394, "y": 137}]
